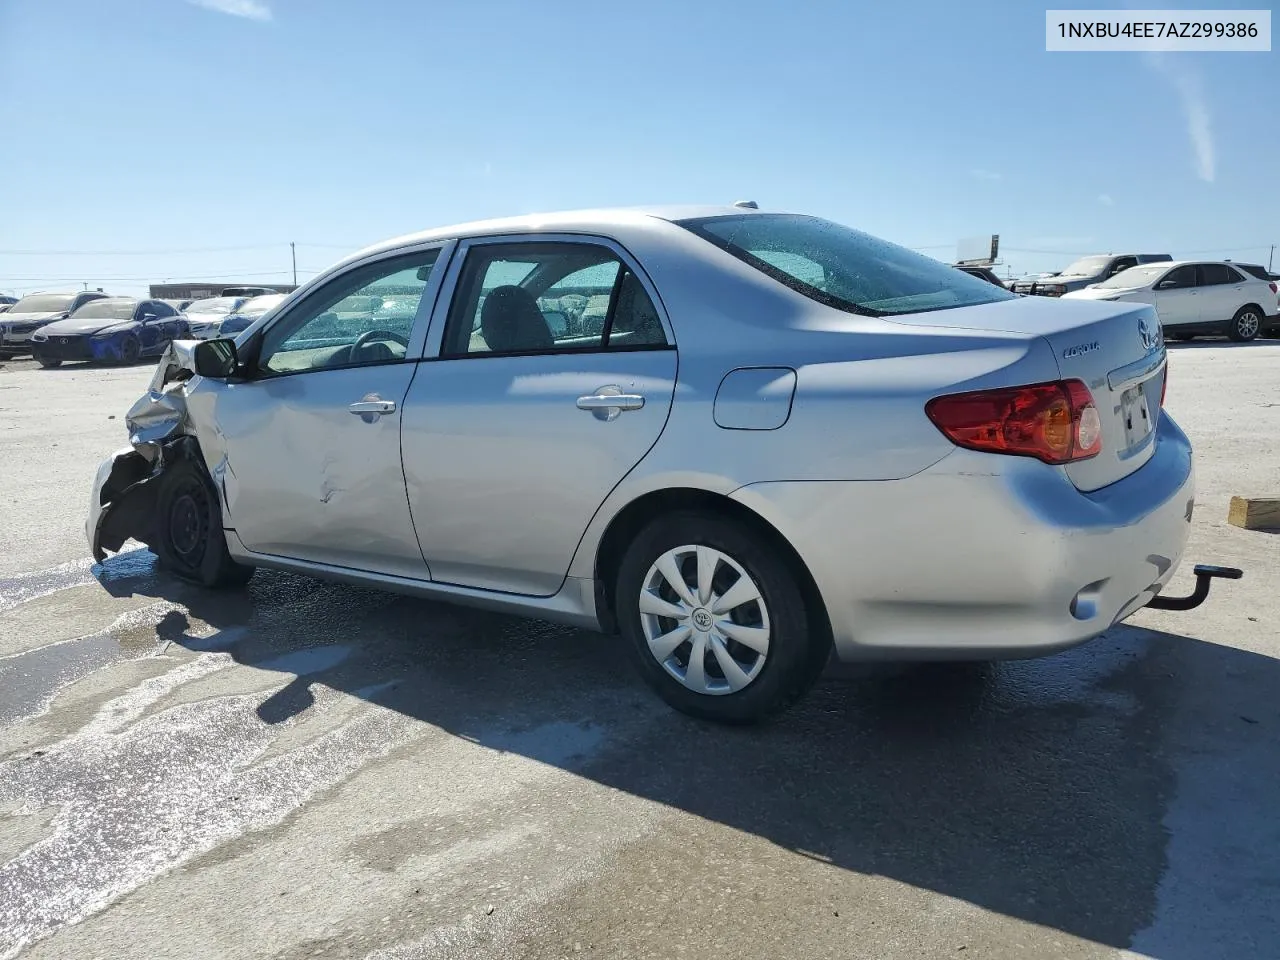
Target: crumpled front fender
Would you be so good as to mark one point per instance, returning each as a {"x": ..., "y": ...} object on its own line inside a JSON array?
[{"x": 122, "y": 504}]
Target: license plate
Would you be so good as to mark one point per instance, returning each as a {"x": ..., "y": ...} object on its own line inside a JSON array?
[{"x": 1137, "y": 416}]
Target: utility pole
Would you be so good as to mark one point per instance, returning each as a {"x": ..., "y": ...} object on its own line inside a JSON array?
[
  {"x": 1270, "y": 257},
  {"x": 293, "y": 252}
]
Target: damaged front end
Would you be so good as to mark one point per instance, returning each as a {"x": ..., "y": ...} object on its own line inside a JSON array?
[{"x": 123, "y": 503}]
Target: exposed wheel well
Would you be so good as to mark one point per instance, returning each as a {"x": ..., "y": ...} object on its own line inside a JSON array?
[
  {"x": 638, "y": 514},
  {"x": 1252, "y": 306}
]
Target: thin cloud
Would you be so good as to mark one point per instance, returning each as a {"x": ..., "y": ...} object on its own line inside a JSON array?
[
  {"x": 1105, "y": 200},
  {"x": 981, "y": 174},
  {"x": 249, "y": 9},
  {"x": 1194, "y": 104}
]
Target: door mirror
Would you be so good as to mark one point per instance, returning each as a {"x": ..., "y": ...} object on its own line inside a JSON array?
[
  {"x": 1166, "y": 284},
  {"x": 148, "y": 317},
  {"x": 216, "y": 359}
]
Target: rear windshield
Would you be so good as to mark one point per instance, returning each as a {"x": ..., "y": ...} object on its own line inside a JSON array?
[
  {"x": 1133, "y": 277},
  {"x": 1086, "y": 267},
  {"x": 214, "y": 305},
  {"x": 842, "y": 267},
  {"x": 107, "y": 310},
  {"x": 260, "y": 305},
  {"x": 44, "y": 303}
]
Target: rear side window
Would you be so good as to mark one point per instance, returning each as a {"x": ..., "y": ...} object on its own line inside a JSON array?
[
  {"x": 1254, "y": 270},
  {"x": 1217, "y": 273},
  {"x": 529, "y": 298},
  {"x": 842, "y": 267}
]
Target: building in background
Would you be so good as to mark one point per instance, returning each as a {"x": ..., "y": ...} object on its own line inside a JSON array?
[{"x": 199, "y": 290}]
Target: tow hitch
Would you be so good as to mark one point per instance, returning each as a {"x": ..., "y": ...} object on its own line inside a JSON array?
[{"x": 1205, "y": 573}]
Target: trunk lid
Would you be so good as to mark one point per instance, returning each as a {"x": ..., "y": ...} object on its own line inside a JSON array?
[{"x": 1116, "y": 348}]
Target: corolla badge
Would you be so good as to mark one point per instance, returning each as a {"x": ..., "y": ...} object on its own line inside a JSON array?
[
  {"x": 1080, "y": 349},
  {"x": 1147, "y": 336}
]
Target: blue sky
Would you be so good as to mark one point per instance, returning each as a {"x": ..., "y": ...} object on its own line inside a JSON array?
[{"x": 182, "y": 128}]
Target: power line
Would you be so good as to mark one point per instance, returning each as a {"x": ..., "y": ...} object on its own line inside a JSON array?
[
  {"x": 204, "y": 276},
  {"x": 155, "y": 253}
]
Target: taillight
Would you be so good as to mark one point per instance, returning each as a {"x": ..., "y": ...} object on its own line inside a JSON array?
[
  {"x": 1274, "y": 288},
  {"x": 1054, "y": 422},
  {"x": 1164, "y": 385}
]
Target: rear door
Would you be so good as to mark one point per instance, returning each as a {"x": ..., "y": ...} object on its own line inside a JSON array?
[
  {"x": 1177, "y": 297},
  {"x": 1221, "y": 292},
  {"x": 554, "y": 376}
]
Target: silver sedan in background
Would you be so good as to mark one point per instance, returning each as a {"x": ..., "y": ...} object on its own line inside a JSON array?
[{"x": 741, "y": 439}]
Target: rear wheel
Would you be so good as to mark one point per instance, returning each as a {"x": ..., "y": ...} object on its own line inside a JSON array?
[
  {"x": 1245, "y": 324},
  {"x": 716, "y": 620},
  {"x": 48, "y": 363},
  {"x": 189, "y": 540}
]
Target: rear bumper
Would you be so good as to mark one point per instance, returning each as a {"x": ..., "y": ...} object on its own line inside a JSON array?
[{"x": 963, "y": 562}]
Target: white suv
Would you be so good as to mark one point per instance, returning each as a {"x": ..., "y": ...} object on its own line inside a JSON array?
[{"x": 1195, "y": 298}]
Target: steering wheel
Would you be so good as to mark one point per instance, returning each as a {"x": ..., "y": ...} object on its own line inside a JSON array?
[{"x": 372, "y": 336}]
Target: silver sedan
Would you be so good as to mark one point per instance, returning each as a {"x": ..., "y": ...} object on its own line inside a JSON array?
[{"x": 741, "y": 439}]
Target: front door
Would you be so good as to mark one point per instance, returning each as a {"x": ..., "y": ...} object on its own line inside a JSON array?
[
  {"x": 312, "y": 438},
  {"x": 1177, "y": 300},
  {"x": 555, "y": 377}
]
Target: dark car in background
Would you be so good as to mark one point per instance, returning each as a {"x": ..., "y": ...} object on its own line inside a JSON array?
[
  {"x": 35, "y": 310},
  {"x": 114, "y": 329},
  {"x": 981, "y": 272},
  {"x": 1087, "y": 271},
  {"x": 205, "y": 316},
  {"x": 6, "y": 302},
  {"x": 250, "y": 311}
]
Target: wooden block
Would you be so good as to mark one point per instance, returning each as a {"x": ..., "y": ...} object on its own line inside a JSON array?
[{"x": 1254, "y": 514}]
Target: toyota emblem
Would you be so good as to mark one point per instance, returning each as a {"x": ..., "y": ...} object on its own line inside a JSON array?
[{"x": 1148, "y": 338}]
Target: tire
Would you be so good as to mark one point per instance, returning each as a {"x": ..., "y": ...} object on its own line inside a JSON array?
[
  {"x": 189, "y": 540},
  {"x": 47, "y": 363},
  {"x": 130, "y": 351},
  {"x": 1245, "y": 324},
  {"x": 796, "y": 640}
]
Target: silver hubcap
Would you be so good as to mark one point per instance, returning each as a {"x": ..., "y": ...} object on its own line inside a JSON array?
[
  {"x": 704, "y": 619},
  {"x": 1247, "y": 325}
]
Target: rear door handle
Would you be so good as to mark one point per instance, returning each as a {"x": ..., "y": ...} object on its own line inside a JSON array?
[{"x": 608, "y": 402}]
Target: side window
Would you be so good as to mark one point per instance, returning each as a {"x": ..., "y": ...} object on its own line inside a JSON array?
[
  {"x": 1179, "y": 278},
  {"x": 162, "y": 309},
  {"x": 363, "y": 317},
  {"x": 545, "y": 297},
  {"x": 1213, "y": 274}
]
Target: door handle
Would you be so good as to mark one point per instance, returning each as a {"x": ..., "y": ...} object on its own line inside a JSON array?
[
  {"x": 371, "y": 408},
  {"x": 608, "y": 402}
]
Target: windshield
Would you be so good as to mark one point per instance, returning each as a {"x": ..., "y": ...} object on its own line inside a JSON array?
[
  {"x": 842, "y": 267},
  {"x": 1133, "y": 277},
  {"x": 219, "y": 305},
  {"x": 44, "y": 303},
  {"x": 1086, "y": 267},
  {"x": 106, "y": 310},
  {"x": 260, "y": 305}
]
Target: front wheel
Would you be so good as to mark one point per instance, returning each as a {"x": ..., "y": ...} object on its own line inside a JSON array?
[
  {"x": 1245, "y": 325},
  {"x": 189, "y": 538},
  {"x": 130, "y": 350},
  {"x": 47, "y": 363},
  {"x": 716, "y": 619}
]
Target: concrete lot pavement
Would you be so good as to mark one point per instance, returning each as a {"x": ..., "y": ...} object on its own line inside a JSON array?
[{"x": 306, "y": 769}]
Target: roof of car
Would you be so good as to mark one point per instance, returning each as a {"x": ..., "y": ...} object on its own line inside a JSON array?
[{"x": 566, "y": 221}]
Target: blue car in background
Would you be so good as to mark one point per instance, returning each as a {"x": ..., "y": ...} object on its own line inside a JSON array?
[
  {"x": 115, "y": 329},
  {"x": 243, "y": 318}
]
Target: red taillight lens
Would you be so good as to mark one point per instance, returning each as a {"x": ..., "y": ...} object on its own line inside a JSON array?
[
  {"x": 1274, "y": 288},
  {"x": 1164, "y": 385},
  {"x": 1054, "y": 422}
]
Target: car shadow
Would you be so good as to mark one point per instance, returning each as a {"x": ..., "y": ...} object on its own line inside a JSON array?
[{"x": 1037, "y": 789}]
